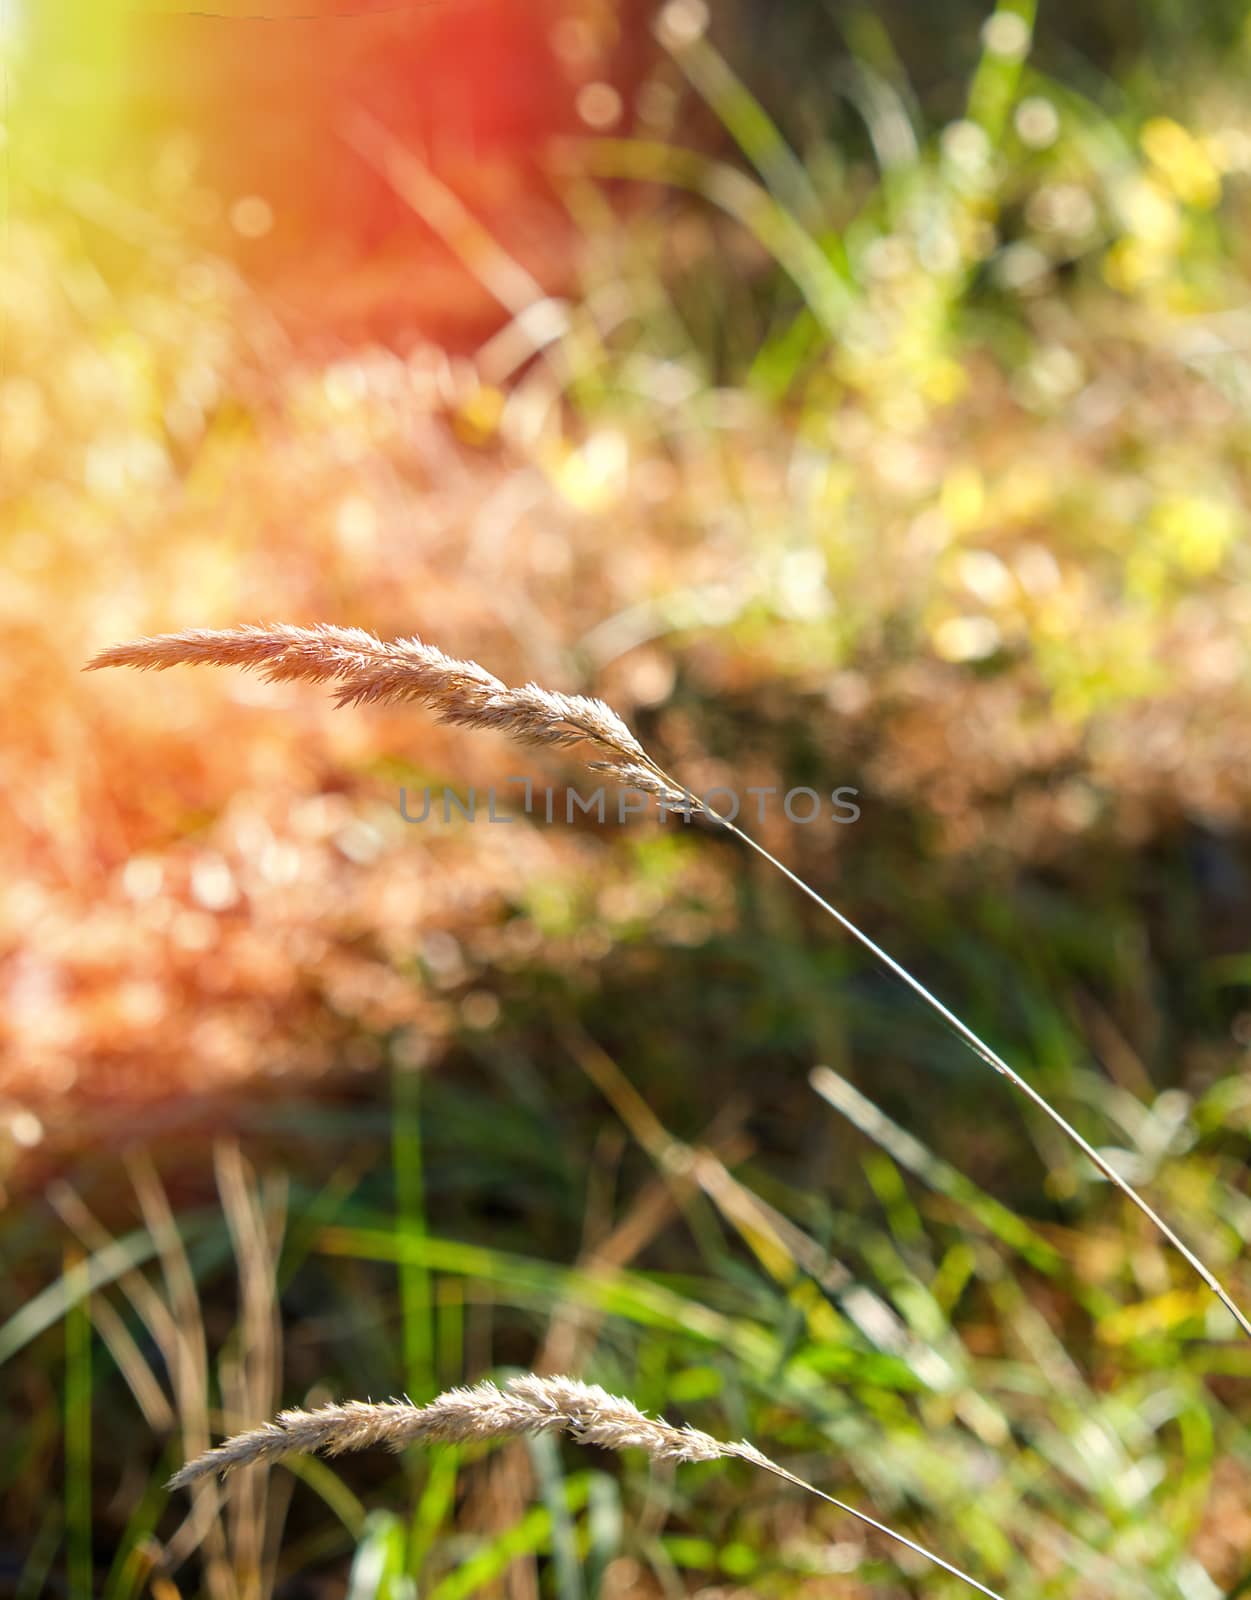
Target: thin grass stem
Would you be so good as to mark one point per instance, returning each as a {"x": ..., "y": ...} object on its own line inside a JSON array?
[{"x": 994, "y": 1059}]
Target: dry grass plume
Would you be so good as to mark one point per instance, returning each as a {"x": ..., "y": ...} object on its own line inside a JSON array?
[
  {"x": 366, "y": 671},
  {"x": 525, "y": 1405}
]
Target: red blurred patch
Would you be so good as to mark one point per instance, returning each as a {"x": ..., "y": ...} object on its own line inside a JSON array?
[{"x": 475, "y": 89}]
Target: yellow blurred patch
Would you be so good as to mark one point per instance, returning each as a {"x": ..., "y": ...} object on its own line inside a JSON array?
[
  {"x": 1149, "y": 212},
  {"x": 1023, "y": 493},
  {"x": 1131, "y": 265},
  {"x": 963, "y": 498},
  {"x": 944, "y": 382},
  {"x": 1196, "y": 534},
  {"x": 593, "y": 475},
  {"x": 1160, "y": 1315},
  {"x": 476, "y": 420},
  {"x": 1182, "y": 161}
]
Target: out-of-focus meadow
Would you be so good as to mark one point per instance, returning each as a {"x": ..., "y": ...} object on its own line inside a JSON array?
[{"x": 849, "y": 396}]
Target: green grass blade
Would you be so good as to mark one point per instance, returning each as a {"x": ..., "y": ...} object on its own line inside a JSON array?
[
  {"x": 32, "y": 1582},
  {"x": 48, "y": 1307},
  {"x": 378, "y": 1565},
  {"x": 943, "y": 1178},
  {"x": 529, "y": 1536},
  {"x": 434, "y": 1504},
  {"x": 787, "y": 241},
  {"x": 79, "y": 1562},
  {"x": 410, "y": 1202},
  {"x": 545, "y": 1456}
]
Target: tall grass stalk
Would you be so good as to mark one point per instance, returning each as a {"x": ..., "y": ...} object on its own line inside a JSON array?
[
  {"x": 365, "y": 671},
  {"x": 527, "y": 1406},
  {"x": 78, "y": 1556},
  {"x": 416, "y": 1301}
]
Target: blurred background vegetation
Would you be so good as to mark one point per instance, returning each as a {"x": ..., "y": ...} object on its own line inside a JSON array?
[{"x": 851, "y": 396}]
